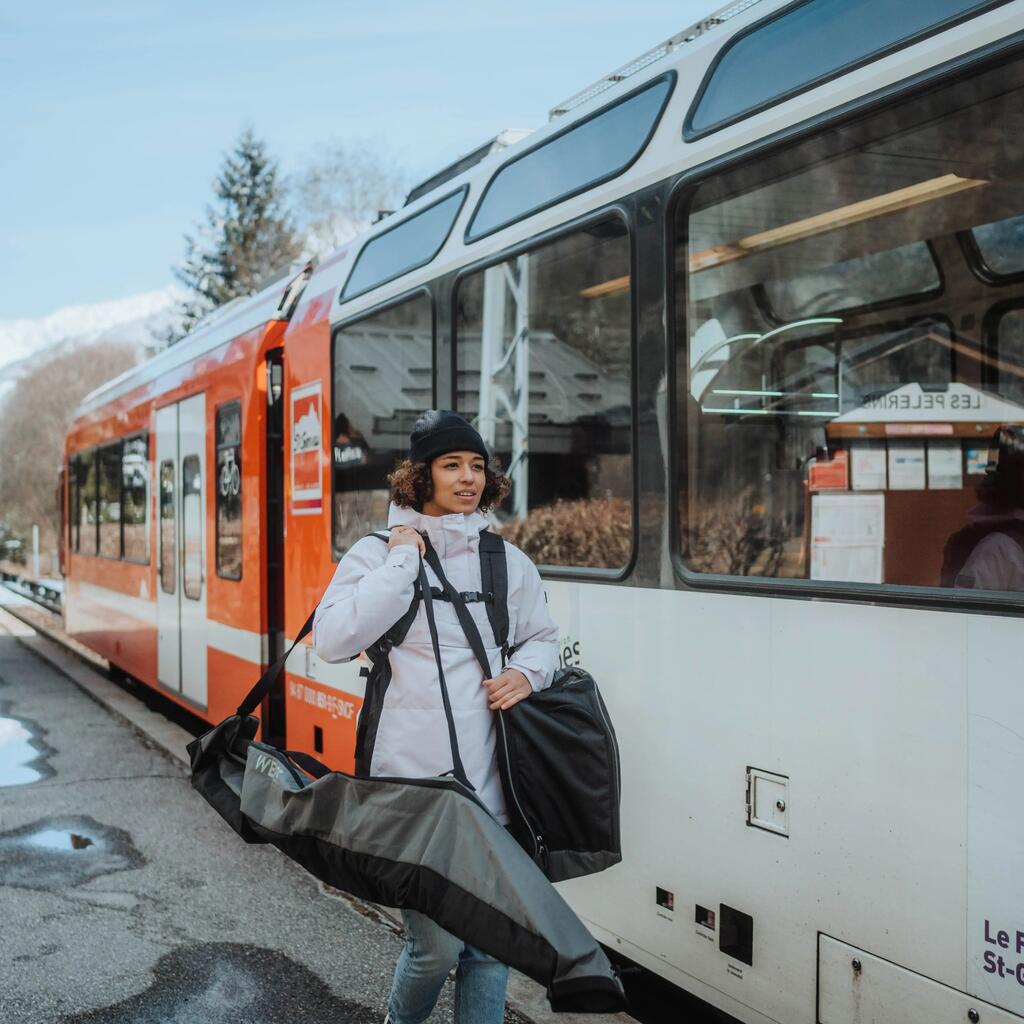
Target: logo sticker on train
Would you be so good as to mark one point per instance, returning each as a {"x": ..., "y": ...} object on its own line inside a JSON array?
[{"x": 307, "y": 433}]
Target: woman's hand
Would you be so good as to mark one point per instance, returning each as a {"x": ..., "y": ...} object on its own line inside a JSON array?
[
  {"x": 507, "y": 689},
  {"x": 406, "y": 535}
]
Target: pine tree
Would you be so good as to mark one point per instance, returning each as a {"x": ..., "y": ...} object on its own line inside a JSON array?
[{"x": 247, "y": 234}]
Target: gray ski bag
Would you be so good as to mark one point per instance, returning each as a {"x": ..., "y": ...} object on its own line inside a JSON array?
[{"x": 419, "y": 844}]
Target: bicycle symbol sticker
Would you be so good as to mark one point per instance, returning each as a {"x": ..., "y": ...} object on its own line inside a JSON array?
[{"x": 230, "y": 481}]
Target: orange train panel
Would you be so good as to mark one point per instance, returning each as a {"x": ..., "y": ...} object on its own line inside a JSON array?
[
  {"x": 309, "y": 563},
  {"x": 111, "y": 605},
  {"x": 311, "y": 706}
]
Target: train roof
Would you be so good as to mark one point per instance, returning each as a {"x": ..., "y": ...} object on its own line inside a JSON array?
[
  {"x": 226, "y": 322},
  {"x": 685, "y": 59},
  {"x": 477, "y": 169}
]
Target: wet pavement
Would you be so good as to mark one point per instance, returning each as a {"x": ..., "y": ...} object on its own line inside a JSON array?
[
  {"x": 126, "y": 900},
  {"x": 24, "y": 756},
  {"x": 56, "y": 854},
  {"x": 228, "y": 983}
]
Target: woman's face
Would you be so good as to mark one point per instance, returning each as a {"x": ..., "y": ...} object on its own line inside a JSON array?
[{"x": 458, "y": 480}]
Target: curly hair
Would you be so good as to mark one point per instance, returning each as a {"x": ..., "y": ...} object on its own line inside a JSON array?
[{"x": 412, "y": 485}]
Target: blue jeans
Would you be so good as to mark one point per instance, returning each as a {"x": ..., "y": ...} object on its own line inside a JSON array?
[{"x": 429, "y": 954}]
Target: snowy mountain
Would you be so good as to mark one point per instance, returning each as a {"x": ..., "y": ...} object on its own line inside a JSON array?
[{"x": 140, "y": 319}]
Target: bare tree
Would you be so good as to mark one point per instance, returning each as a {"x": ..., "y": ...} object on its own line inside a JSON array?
[
  {"x": 342, "y": 191},
  {"x": 34, "y": 419}
]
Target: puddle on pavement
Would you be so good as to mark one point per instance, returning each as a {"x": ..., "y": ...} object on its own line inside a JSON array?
[
  {"x": 59, "y": 839},
  {"x": 59, "y": 853},
  {"x": 222, "y": 983},
  {"x": 24, "y": 756}
]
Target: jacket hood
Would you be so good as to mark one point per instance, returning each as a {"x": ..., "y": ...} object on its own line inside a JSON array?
[{"x": 448, "y": 534}]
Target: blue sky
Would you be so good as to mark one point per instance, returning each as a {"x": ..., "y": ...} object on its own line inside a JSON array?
[{"x": 116, "y": 114}]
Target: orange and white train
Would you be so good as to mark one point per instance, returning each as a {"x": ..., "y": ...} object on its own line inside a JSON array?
[{"x": 745, "y": 323}]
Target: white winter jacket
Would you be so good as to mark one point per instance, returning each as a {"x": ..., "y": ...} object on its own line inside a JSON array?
[
  {"x": 997, "y": 561},
  {"x": 373, "y": 587}
]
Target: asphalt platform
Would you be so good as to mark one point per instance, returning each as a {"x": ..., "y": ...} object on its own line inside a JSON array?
[{"x": 124, "y": 899}]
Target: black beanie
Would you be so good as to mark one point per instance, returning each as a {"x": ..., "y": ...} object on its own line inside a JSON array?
[{"x": 439, "y": 431}]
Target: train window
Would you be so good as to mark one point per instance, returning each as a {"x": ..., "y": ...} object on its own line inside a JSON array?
[
  {"x": 110, "y": 500},
  {"x": 543, "y": 352},
  {"x": 1001, "y": 245},
  {"x": 1009, "y": 355},
  {"x": 76, "y": 469},
  {"x": 88, "y": 515},
  {"x": 807, "y": 43},
  {"x": 588, "y": 153},
  {"x": 412, "y": 243},
  {"x": 168, "y": 528},
  {"x": 192, "y": 527},
  {"x": 872, "y": 435},
  {"x": 901, "y": 273},
  {"x": 383, "y": 381},
  {"x": 229, "y": 490},
  {"x": 135, "y": 507}
]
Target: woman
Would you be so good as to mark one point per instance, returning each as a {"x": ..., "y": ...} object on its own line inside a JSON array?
[
  {"x": 988, "y": 553},
  {"x": 438, "y": 493}
]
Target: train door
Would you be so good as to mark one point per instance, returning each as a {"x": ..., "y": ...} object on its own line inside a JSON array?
[
  {"x": 181, "y": 595},
  {"x": 273, "y": 711}
]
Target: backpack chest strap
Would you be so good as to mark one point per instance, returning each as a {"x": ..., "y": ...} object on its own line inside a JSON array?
[{"x": 467, "y": 596}]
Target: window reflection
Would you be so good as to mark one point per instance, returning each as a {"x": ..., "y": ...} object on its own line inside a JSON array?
[
  {"x": 404, "y": 247},
  {"x": 383, "y": 381},
  {"x": 168, "y": 528},
  {"x": 807, "y": 42},
  {"x": 848, "y": 381},
  {"x": 1008, "y": 361},
  {"x": 110, "y": 500},
  {"x": 1001, "y": 245},
  {"x": 592, "y": 151},
  {"x": 135, "y": 489},
  {"x": 192, "y": 527},
  {"x": 543, "y": 360}
]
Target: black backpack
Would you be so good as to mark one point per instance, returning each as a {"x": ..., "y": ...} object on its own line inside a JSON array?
[{"x": 557, "y": 754}]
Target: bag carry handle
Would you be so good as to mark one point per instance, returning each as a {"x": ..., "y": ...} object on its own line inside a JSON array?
[
  {"x": 428, "y": 606},
  {"x": 309, "y": 764},
  {"x": 267, "y": 680}
]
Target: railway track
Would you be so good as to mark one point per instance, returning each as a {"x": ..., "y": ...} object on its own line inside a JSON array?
[{"x": 43, "y": 592}]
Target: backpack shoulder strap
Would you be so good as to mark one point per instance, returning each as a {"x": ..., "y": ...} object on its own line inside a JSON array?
[
  {"x": 398, "y": 632},
  {"x": 494, "y": 581}
]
